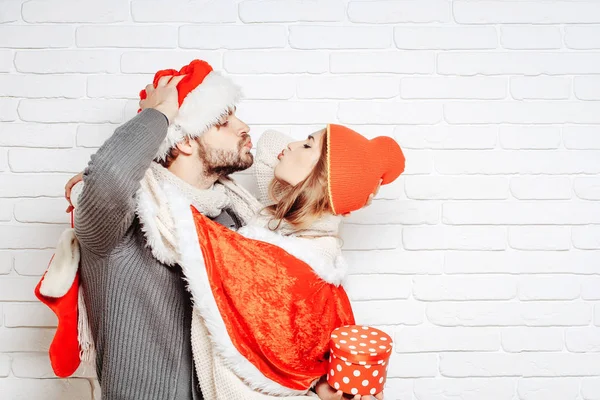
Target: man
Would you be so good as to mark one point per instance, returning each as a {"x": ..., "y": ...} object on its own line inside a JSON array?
[{"x": 136, "y": 298}]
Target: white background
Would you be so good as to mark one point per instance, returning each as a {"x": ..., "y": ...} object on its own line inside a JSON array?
[{"x": 483, "y": 259}]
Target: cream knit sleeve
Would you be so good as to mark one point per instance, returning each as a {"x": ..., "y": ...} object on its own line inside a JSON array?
[{"x": 268, "y": 148}]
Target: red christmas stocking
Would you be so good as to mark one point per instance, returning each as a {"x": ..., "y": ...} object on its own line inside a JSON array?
[{"x": 64, "y": 350}]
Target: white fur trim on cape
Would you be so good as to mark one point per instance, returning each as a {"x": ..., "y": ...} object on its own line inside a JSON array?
[
  {"x": 201, "y": 109},
  {"x": 194, "y": 269},
  {"x": 63, "y": 268},
  {"x": 147, "y": 210}
]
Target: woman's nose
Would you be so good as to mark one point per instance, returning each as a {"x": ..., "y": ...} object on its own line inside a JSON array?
[{"x": 293, "y": 145}]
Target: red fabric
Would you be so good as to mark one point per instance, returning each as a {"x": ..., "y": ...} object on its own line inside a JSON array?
[
  {"x": 64, "y": 350},
  {"x": 277, "y": 311},
  {"x": 196, "y": 71}
]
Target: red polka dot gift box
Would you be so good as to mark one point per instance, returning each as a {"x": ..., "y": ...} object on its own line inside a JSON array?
[{"x": 359, "y": 359}]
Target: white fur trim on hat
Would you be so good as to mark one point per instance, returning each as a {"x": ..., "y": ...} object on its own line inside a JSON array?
[{"x": 202, "y": 108}]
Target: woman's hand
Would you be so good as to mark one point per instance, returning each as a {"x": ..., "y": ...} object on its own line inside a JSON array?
[
  {"x": 326, "y": 392},
  {"x": 69, "y": 186},
  {"x": 371, "y": 196}
]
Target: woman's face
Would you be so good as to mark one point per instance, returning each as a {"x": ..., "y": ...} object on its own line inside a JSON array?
[{"x": 299, "y": 158}]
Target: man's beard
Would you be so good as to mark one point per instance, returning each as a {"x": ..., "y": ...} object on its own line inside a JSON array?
[{"x": 218, "y": 162}]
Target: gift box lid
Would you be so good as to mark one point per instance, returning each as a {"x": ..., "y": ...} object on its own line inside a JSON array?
[{"x": 360, "y": 343}]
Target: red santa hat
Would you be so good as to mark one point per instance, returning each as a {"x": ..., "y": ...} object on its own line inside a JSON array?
[{"x": 205, "y": 97}]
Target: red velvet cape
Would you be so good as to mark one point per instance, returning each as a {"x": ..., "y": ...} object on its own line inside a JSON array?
[{"x": 278, "y": 313}]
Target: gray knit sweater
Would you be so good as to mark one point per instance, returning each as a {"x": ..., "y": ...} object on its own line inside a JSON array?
[{"x": 139, "y": 309}]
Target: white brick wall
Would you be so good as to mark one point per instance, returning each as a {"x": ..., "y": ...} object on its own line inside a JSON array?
[{"x": 483, "y": 260}]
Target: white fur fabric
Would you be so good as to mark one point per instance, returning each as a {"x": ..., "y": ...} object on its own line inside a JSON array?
[{"x": 63, "y": 268}]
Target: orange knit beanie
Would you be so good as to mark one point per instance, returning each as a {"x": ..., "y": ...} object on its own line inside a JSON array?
[{"x": 357, "y": 164}]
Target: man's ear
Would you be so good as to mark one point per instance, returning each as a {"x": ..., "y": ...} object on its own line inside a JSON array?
[{"x": 186, "y": 146}]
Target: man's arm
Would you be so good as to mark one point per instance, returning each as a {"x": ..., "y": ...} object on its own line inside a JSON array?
[
  {"x": 107, "y": 205},
  {"x": 112, "y": 177}
]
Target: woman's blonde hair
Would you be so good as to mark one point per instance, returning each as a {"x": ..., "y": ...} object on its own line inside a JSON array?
[{"x": 302, "y": 204}]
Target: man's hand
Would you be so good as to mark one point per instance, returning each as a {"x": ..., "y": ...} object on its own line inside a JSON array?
[
  {"x": 69, "y": 186},
  {"x": 164, "y": 97},
  {"x": 326, "y": 392}
]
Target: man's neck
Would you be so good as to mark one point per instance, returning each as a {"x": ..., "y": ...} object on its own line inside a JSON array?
[{"x": 192, "y": 176}]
